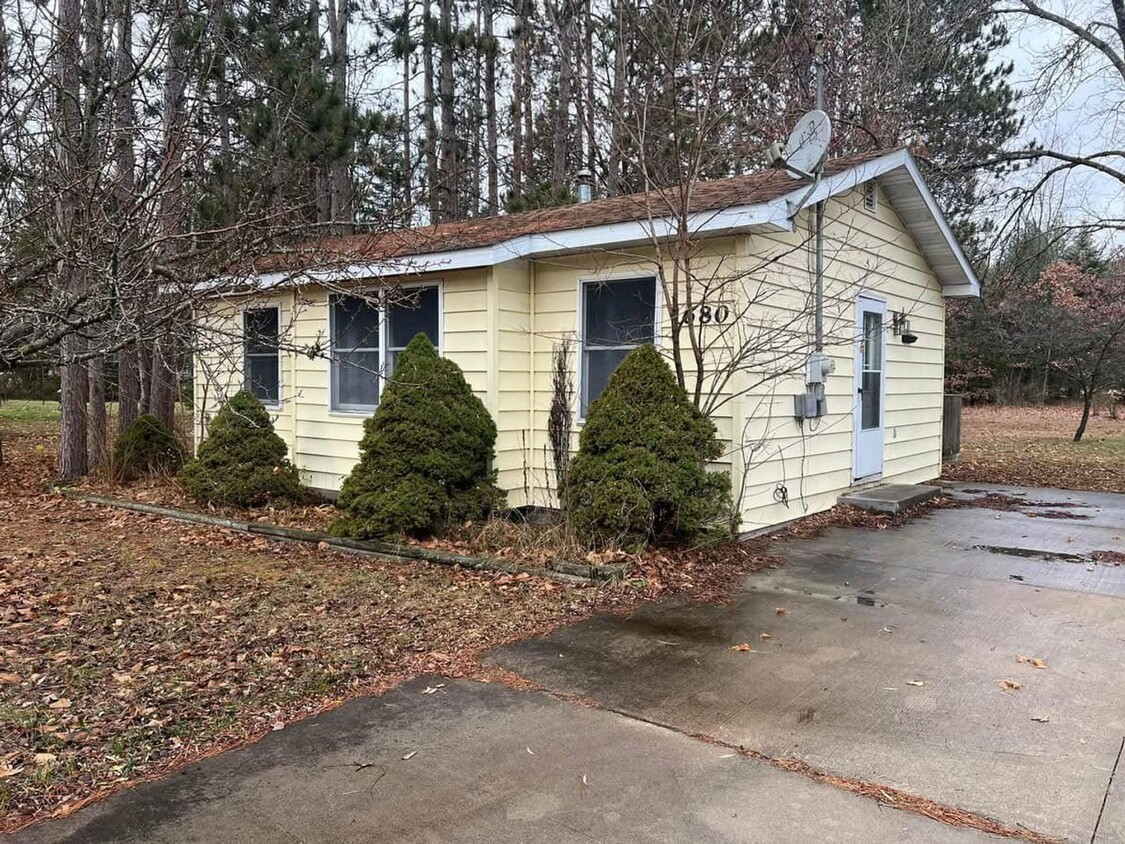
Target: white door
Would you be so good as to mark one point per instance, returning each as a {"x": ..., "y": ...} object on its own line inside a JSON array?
[{"x": 869, "y": 379}]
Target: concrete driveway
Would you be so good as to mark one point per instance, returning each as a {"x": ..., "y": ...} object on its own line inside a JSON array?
[
  {"x": 885, "y": 666},
  {"x": 886, "y": 655}
]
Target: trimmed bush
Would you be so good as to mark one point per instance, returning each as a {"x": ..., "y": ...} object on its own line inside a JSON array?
[
  {"x": 147, "y": 447},
  {"x": 641, "y": 469},
  {"x": 242, "y": 462},
  {"x": 425, "y": 454}
]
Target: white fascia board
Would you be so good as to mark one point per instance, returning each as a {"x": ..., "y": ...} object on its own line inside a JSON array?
[
  {"x": 611, "y": 235},
  {"x": 967, "y": 284}
]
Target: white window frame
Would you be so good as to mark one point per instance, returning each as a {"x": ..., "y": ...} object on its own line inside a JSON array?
[
  {"x": 334, "y": 407},
  {"x": 246, "y": 355},
  {"x": 657, "y": 322}
]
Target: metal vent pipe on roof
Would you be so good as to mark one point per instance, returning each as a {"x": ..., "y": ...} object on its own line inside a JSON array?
[{"x": 584, "y": 180}]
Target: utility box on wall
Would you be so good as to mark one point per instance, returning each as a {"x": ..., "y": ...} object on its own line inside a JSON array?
[{"x": 805, "y": 406}]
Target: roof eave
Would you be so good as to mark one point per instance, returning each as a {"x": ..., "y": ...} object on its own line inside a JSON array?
[{"x": 898, "y": 174}]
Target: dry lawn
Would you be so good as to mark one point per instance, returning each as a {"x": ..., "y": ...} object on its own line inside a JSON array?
[
  {"x": 1032, "y": 446},
  {"x": 131, "y": 645}
]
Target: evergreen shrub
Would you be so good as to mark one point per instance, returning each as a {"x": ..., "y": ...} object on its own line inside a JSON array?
[
  {"x": 242, "y": 462},
  {"x": 640, "y": 474},
  {"x": 425, "y": 457}
]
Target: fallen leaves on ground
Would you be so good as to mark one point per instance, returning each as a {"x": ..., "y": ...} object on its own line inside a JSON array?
[
  {"x": 1033, "y": 661},
  {"x": 1010, "y": 685},
  {"x": 131, "y": 645},
  {"x": 1032, "y": 446},
  {"x": 745, "y": 646}
]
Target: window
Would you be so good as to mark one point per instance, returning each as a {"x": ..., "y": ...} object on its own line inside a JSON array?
[
  {"x": 617, "y": 316},
  {"x": 871, "y": 196},
  {"x": 261, "y": 330},
  {"x": 416, "y": 310},
  {"x": 355, "y": 353},
  {"x": 367, "y": 339}
]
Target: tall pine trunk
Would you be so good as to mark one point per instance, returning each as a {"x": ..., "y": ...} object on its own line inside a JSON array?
[
  {"x": 128, "y": 388},
  {"x": 449, "y": 139},
  {"x": 73, "y": 455},
  {"x": 563, "y": 24},
  {"x": 519, "y": 45},
  {"x": 428, "y": 112},
  {"x": 407, "y": 118},
  {"x": 492, "y": 176},
  {"x": 617, "y": 101},
  {"x": 340, "y": 177},
  {"x": 96, "y": 428},
  {"x": 165, "y": 378}
]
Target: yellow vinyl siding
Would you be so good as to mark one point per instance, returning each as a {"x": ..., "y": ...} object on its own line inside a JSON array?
[
  {"x": 324, "y": 443},
  {"x": 872, "y": 253}
]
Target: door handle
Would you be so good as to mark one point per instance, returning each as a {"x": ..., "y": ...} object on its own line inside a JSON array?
[{"x": 859, "y": 390}]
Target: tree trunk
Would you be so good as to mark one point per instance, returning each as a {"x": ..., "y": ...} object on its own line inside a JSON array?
[
  {"x": 144, "y": 377},
  {"x": 128, "y": 388},
  {"x": 591, "y": 146},
  {"x": 617, "y": 102},
  {"x": 407, "y": 119},
  {"x": 74, "y": 460},
  {"x": 73, "y": 456},
  {"x": 519, "y": 44},
  {"x": 563, "y": 24},
  {"x": 321, "y": 175},
  {"x": 492, "y": 175},
  {"x": 474, "y": 170},
  {"x": 96, "y": 436},
  {"x": 165, "y": 380},
  {"x": 1087, "y": 403},
  {"x": 340, "y": 177},
  {"x": 450, "y": 176},
  {"x": 428, "y": 112}
]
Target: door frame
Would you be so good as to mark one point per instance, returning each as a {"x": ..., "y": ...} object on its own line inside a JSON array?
[{"x": 868, "y": 302}]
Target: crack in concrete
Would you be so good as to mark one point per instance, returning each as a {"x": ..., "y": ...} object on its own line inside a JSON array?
[{"x": 1108, "y": 788}]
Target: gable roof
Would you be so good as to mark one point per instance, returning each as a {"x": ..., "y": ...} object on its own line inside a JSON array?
[{"x": 764, "y": 200}]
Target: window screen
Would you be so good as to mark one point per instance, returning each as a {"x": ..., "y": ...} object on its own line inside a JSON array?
[
  {"x": 414, "y": 310},
  {"x": 355, "y": 353},
  {"x": 617, "y": 316},
  {"x": 261, "y": 331}
]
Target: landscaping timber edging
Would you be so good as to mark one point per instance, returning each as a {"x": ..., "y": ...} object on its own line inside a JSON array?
[{"x": 567, "y": 572}]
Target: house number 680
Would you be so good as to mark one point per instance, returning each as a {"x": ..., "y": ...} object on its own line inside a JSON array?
[{"x": 707, "y": 314}]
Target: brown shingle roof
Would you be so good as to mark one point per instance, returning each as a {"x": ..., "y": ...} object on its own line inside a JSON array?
[{"x": 751, "y": 189}]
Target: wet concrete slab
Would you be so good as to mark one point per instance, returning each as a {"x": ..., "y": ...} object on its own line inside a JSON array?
[
  {"x": 886, "y": 659},
  {"x": 475, "y": 762}
]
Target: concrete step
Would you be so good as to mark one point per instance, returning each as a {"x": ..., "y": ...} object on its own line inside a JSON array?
[{"x": 889, "y": 498}]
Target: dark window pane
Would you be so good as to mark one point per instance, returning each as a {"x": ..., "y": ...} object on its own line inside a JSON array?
[
  {"x": 355, "y": 379},
  {"x": 598, "y": 365},
  {"x": 416, "y": 311},
  {"x": 619, "y": 313},
  {"x": 262, "y": 378},
  {"x": 261, "y": 330},
  {"x": 872, "y": 398},
  {"x": 355, "y": 323}
]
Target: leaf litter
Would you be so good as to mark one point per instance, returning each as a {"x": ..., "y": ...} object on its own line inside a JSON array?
[{"x": 132, "y": 645}]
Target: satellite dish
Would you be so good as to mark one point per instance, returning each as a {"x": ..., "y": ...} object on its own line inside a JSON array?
[{"x": 808, "y": 142}]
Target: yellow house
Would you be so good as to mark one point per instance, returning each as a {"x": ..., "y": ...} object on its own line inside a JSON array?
[{"x": 722, "y": 278}]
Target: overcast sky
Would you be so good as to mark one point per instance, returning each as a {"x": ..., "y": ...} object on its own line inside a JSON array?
[{"x": 1083, "y": 115}]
